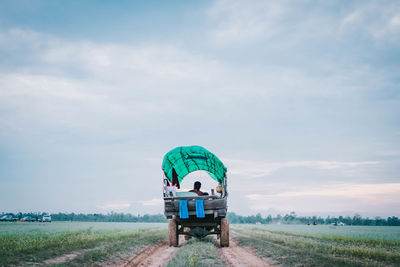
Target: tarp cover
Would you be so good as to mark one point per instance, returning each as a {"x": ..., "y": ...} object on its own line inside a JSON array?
[{"x": 187, "y": 159}]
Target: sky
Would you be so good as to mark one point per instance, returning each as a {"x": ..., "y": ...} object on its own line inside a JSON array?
[{"x": 299, "y": 99}]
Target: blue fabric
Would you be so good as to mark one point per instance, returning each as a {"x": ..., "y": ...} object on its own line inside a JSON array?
[
  {"x": 183, "y": 209},
  {"x": 200, "y": 208}
]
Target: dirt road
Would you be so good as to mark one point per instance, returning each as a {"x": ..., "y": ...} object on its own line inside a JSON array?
[
  {"x": 235, "y": 255},
  {"x": 62, "y": 259},
  {"x": 160, "y": 254},
  {"x": 157, "y": 255}
]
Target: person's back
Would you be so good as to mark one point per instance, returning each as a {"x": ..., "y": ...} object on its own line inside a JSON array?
[{"x": 196, "y": 189}]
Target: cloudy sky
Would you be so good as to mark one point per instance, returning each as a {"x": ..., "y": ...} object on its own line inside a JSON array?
[{"x": 299, "y": 99}]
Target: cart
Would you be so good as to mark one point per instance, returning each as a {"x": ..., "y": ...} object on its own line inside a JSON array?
[{"x": 176, "y": 165}]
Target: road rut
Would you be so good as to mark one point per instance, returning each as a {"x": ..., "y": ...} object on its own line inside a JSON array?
[
  {"x": 162, "y": 253},
  {"x": 153, "y": 256},
  {"x": 235, "y": 255}
]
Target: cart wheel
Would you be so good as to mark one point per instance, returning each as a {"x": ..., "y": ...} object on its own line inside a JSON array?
[
  {"x": 173, "y": 233},
  {"x": 224, "y": 241}
]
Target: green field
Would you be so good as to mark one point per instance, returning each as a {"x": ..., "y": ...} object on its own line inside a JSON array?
[
  {"x": 197, "y": 253},
  {"x": 288, "y": 245},
  {"x": 34, "y": 243},
  {"x": 322, "y": 245},
  {"x": 372, "y": 232},
  {"x": 55, "y": 227}
]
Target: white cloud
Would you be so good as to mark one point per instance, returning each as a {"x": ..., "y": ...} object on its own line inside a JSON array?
[
  {"x": 393, "y": 153},
  {"x": 259, "y": 169},
  {"x": 152, "y": 202},
  {"x": 115, "y": 63},
  {"x": 345, "y": 197},
  {"x": 244, "y": 21},
  {"x": 370, "y": 192},
  {"x": 146, "y": 79},
  {"x": 115, "y": 206},
  {"x": 81, "y": 84},
  {"x": 394, "y": 23},
  {"x": 51, "y": 85},
  {"x": 379, "y": 19}
]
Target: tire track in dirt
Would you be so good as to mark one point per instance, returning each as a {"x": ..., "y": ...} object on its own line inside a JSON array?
[
  {"x": 157, "y": 255},
  {"x": 154, "y": 256},
  {"x": 62, "y": 259},
  {"x": 162, "y": 253},
  {"x": 235, "y": 255}
]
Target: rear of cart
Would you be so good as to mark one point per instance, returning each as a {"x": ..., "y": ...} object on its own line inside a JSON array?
[{"x": 212, "y": 220}]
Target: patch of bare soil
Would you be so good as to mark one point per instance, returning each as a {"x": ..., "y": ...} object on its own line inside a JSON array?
[
  {"x": 62, "y": 258},
  {"x": 154, "y": 256},
  {"x": 235, "y": 255}
]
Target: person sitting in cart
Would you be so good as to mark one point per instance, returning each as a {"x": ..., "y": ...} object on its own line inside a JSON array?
[{"x": 196, "y": 189}]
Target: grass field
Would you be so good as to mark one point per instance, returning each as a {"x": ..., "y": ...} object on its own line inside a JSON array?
[
  {"x": 197, "y": 253},
  {"x": 323, "y": 245},
  {"x": 55, "y": 227},
  {"x": 372, "y": 232},
  {"x": 289, "y": 245},
  {"x": 34, "y": 243}
]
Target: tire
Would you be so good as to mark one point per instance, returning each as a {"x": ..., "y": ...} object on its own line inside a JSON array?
[
  {"x": 224, "y": 240},
  {"x": 173, "y": 233}
]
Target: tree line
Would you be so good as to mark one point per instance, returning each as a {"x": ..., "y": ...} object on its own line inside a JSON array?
[
  {"x": 290, "y": 218},
  {"x": 93, "y": 217},
  {"x": 110, "y": 217}
]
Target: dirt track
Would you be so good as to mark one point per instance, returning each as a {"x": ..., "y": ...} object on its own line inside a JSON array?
[
  {"x": 157, "y": 255},
  {"x": 62, "y": 259},
  {"x": 236, "y": 255},
  {"x": 160, "y": 254}
]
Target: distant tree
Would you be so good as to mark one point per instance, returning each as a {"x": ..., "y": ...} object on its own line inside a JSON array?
[
  {"x": 357, "y": 220},
  {"x": 393, "y": 221},
  {"x": 234, "y": 218}
]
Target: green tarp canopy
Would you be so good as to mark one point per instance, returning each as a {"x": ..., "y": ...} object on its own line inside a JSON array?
[{"x": 187, "y": 159}]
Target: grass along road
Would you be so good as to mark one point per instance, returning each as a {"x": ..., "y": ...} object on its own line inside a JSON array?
[
  {"x": 292, "y": 249},
  {"x": 156, "y": 255},
  {"x": 199, "y": 253},
  {"x": 75, "y": 247},
  {"x": 77, "y": 244}
]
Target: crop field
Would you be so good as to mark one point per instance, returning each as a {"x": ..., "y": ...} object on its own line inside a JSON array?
[
  {"x": 74, "y": 242},
  {"x": 87, "y": 243},
  {"x": 371, "y": 232},
  {"x": 322, "y": 245},
  {"x": 55, "y": 227}
]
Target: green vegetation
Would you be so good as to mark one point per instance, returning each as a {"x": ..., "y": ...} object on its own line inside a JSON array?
[
  {"x": 288, "y": 244},
  {"x": 292, "y": 218},
  {"x": 110, "y": 217},
  {"x": 319, "y": 249},
  {"x": 36, "y": 245},
  {"x": 363, "y": 232},
  {"x": 93, "y": 217},
  {"x": 196, "y": 253},
  {"x": 57, "y": 227}
]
